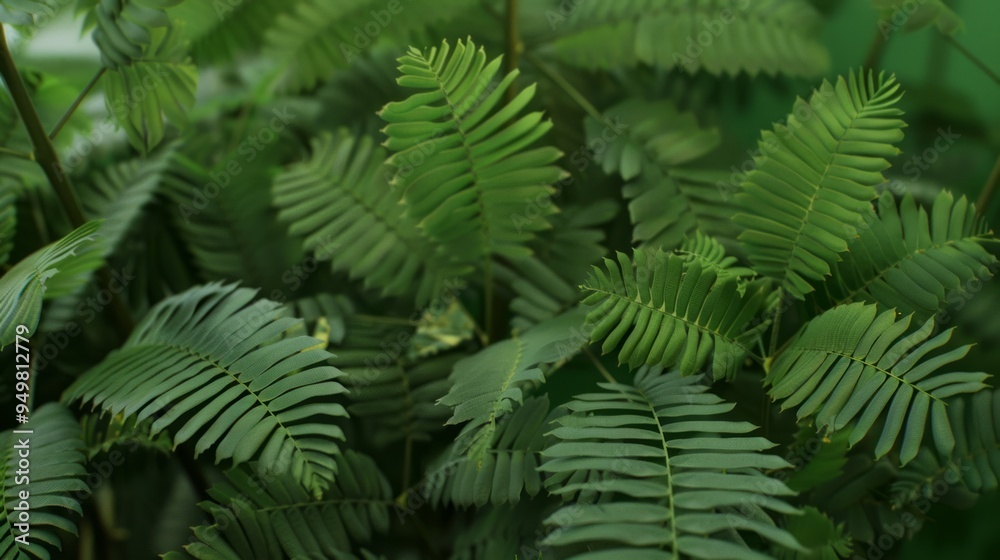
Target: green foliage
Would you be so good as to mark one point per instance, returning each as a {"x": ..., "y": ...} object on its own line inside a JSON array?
[
  {"x": 461, "y": 155},
  {"x": 815, "y": 176},
  {"x": 852, "y": 364},
  {"x": 677, "y": 474},
  {"x": 340, "y": 274},
  {"x": 209, "y": 364},
  {"x": 676, "y": 312},
  {"x": 53, "y": 271},
  {"x": 52, "y": 483}
]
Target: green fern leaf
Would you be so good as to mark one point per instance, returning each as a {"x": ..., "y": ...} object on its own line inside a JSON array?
[
  {"x": 769, "y": 36},
  {"x": 124, "y": 30},
  {"x": 668, "y": 199},
  {"x": 54, "y": 480},
  {"x": 674, "y": 474},
  {"x": 26, "y": 12},
  {"x": 508, "y": 468},
  {"x": 159, "y": 85},
  {"x": 818, "y": 533},
  {"x": 815, "y": 176},
  {"x": 911, "y": 260},
  {"x": 853, "y": 364},
  {"x": 318, "y": 37},
  {"x": 8, "y": 223},
  {"x": 976, "y": 421},
  {"x": 273, "y": 517},
  {"x": 462, "y": 158},
  {"x": 488, "y": 385},
  {"x": 674, "y": 311},
  {"x": 207, "y": 364},
  {"x": 53, "y": 271},
  {"x": 340, "y": 203}
]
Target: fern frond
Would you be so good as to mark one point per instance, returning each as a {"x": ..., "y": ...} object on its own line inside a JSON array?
[
  {"x": 120, "y": 192},
  {"x": 125, "y": 30},
  {"x": 678, "y": 475},
  {"x": 53, "y": 482},
  {"x": 652, "y": 148},
  {"x": 26, "y": 12},
  {"x": 317, "y": 37},
  {"x": 53, "y": 271},
  {"x": 823, "y": 539},
  {"x": 394, "y": 393},
  {"x": 224, "y": 32},
  {"x": 462, "y": 155},
  {"x": 545, "y": 284},
  {"x": 816, "y": 174},
  {"x": 207, "y": 362},
  {"x": 104, "y": 433},
  {"x": 710, "y": 253},
  {"x": 853, "y": 364},
  {"x": 769, "y": 36},
  {"x": 508, "y": 468},
  {"x": 274, "y": 518},
  {"x": 501, "y": 533},
  {"x": 488, "y": 385},
  {"x": 911, "y": 259},
  {"x": 976, "y": 421},
  {"x": 341, "y": 204},
  {"x": 674, "y": 311},
  {"x": 159, "y": 85}
]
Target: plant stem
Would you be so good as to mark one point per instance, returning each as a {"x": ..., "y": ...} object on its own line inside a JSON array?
[
  {"x": 45, "y": 153},
  {"x": 973, "y": 59},
  {"x": 17, "y": 153},
  {"x": 988, "y": 189},
  {"x": 76, "y": 103},
  {"x": 777, "y": 325},
  {"x": 600, "y": 367},
  {"x": 574, "y": 93},
  {"x": 513, "y": 45}
]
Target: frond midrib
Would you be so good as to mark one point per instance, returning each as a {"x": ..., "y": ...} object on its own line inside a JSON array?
[
  {"x": 707, "y": 330},
  {"x": 670, "y": 478},
  {"x": 869, "y": 364},
  {"x": 909, "y": 255},
  {"x": 484, "y": 229}
]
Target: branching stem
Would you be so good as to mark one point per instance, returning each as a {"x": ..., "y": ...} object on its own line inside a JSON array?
[{"x": 76, "y": 103}]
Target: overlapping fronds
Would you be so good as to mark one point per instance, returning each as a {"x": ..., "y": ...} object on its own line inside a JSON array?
[
  {"x": 53, "y": 271},
  {"x": 340, "y": 203},
  {"x": 728, "y": 37},
  {"x": 389, "y": 389},
  {"x": 119, "y": 193},
  {"x": 675, "y": 312},
  {"x": 488, "y": 385},
  {"x": 710, "y": 253},
  {"x": 815, "y": 176},
  {"x": 854, "y": 365},
  {"x": 26, "y": 12},
  {"x": 508, "y": 469},
  {"x": 274, "y": 518},
  {"x": 545, "y": 284},
  {"x": 159, "y": 85},
  {"x": 824, "y": 539},
  {"x": 315, "y": 38},
  {"x": 208, "y": 364},
  {"x": 651, "y": 145},
  {"x": 228, "y": 224},
  {"x": 53, "y": 482},
  {"x": 221, "y": 32},
  {"x": 463, "y": 157},
  {"x": 681, "y": 476},
  {"x": 911, "y": 259},
  {"x": 101, "y": 434}
]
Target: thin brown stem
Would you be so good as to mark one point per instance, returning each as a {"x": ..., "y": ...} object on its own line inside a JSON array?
[
  {"x": 988, "y": 189},
  {"x": 17, "y": 153},
  {"x": 76, "y": 104},
  {"x": 407, "y": 460},
  {"x": 571, "y": 91}
]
